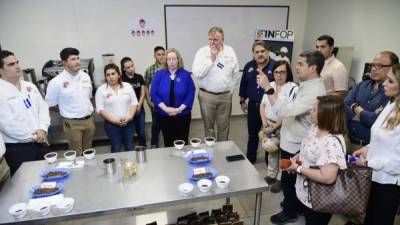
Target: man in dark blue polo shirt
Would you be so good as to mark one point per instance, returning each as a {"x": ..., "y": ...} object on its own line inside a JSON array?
[
  {"x": 254, "y": 93},
  {"x": 366, "y": 100}
]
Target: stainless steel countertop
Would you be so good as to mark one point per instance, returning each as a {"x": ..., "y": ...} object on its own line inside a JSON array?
[{"x": 155, "y": 185}]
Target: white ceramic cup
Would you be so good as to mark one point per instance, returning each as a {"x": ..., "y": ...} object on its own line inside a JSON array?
[{"x": 51, "y": 157}]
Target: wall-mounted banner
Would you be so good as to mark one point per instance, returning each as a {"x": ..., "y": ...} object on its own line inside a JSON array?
[{"x": 279, "y": 41}]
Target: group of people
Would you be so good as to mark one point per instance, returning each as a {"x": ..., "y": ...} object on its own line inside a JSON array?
[
  {"x": 308, "y": 118},
  {"x": 310, "y": 121}
]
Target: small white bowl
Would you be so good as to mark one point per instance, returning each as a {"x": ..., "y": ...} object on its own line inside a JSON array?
[
  {"x": 51, "y": 157},
  {"x": 185, "y": 189},
  {"x": 89, "y": 153},
  {"x": 204, "y": 185},
  {"x": 179, "y": 144},
  {"x": 65, "y": 205},
  {"x": 70, "y": 155},
  {"x": 210, "y": 141},
  {"x": 222, "y": 181},
  {"x": 42, "y": 209},
  {"x": 18, "y": 210},
  {"x": 195, "y": 142}
]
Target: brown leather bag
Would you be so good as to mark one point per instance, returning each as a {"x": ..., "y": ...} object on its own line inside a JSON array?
[{"x": 349, "y": 194}]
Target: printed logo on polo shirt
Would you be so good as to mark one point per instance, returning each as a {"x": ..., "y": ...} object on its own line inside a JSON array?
[
  {"x": 251, "y": 69},
  {"x": 269, "y": 72},
  {"x": 220, "y": 65},
  {"x": 109, "y": 95},
  {"x": 178, "y": 79},
  {"x": 65, "y": 84}
]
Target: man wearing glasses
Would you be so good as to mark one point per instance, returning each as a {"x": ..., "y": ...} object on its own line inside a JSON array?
[
  {"x": 249, "y": 89},
  {"x": 366, "y": 100}
]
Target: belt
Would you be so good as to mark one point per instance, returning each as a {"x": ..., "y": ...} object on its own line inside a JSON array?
[
  {"x": 83, "y": 118},
  {"x": 214, "y": 93},
  {"x": 19, "y": 144},
  {"x": 357, "y": 141}
]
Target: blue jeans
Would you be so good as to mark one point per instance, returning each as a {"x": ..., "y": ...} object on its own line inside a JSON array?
[
  {"x": 119, "y": 135},
  {"x": 155, "y": 128},
  {"x": 139, "y": 127}
]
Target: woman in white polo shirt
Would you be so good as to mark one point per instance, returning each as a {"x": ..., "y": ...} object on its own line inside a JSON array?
[{"x": 116, "y": 102}]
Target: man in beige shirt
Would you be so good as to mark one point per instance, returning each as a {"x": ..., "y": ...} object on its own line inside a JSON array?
[{"x": 334, "y": 73}]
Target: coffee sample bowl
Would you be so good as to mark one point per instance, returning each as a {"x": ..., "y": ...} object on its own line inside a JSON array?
[
  {"x": 195, "y": 142},
  {"x": 51, "y": 157},
  {"x": 185, "y": 189},
  {"x": 18, "y": 210},
  {"x": 65, "y": 205},
  {"x": 70, "y": 155},
  {"x": 210, "y": 141},
  {"x": 222, "y": 181},
  {"x": 89, "y": 153},
  {"x": 179, "y": 144},
  {"x": 204, "y": 185}
]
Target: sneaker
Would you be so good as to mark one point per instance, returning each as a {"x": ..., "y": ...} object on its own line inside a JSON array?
[
  {"x": 276, "y": 187},
  {"x": 269, "y": 180},
  {"x": 281, "y": 219}
]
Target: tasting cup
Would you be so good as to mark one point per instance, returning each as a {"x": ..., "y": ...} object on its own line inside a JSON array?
[
  {"x": 51, "y": 157},
  {"x": 195, "y": 142},
  {"x": 70, "y": 155},
  {"x": 179, "y": 144},
  {"x": 89, "y": 153}
]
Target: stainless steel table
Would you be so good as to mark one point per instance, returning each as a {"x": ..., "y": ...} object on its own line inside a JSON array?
[{"x": 155, "y": 185}]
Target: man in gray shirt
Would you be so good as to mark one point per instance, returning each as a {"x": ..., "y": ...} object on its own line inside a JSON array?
[{"x": 296, "y": 122}]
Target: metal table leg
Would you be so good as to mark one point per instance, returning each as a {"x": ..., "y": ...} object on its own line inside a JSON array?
[
  {"x": 257, "y": 211},
  {"x": 228, "y": 201}
]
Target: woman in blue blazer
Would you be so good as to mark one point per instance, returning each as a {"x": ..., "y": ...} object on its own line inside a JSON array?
[{"x": 172, "y": 90}]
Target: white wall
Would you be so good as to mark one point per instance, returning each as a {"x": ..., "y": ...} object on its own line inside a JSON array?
[
  {"x": 37, "y": 30},
  {"x": 370, "y": 26}
]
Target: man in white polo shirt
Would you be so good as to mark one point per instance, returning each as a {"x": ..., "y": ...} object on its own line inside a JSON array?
[
  {"x": 24, "y": 115},
  {"x": 334, "y": 73},
  {"x": 217, "y": 69},
  {"x": 70, "y": 93}
]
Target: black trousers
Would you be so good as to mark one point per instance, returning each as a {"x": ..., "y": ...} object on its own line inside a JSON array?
[
  {"x": 291, "y": 204},
  {"x": 383, "y": 203},
  {"x": 254, "y": 124},
  {"x": 17, "y": 153},
  {"x": 315, "y": 218},
  {"x": 175, "y": 128}
]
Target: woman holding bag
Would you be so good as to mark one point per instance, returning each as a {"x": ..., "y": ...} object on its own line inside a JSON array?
[
  {"x": 383, "y": 156},
  {"x": 323, "y": 147}
]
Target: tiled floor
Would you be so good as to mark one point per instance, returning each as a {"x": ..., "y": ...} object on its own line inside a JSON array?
[{"x": 244, "y": 205}]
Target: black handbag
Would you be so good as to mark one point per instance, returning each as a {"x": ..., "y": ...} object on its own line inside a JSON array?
[{"x": 349, "y": 194}]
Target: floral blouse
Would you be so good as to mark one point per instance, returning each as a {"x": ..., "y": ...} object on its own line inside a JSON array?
[{"x": 319, "y": 151}]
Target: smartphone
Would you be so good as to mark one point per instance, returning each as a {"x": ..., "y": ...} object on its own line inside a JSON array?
[{"x": 232, "y": 158}]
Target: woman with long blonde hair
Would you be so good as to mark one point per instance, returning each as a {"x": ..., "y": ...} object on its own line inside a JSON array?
[{"x": 383, "y": 156}]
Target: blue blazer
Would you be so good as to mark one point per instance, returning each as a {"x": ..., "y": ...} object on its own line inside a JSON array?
[{"x": 184, "y": 90}]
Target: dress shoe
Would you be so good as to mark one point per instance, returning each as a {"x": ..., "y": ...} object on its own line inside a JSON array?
[
  {"x": 276, "y": 187},
  {"x": 281, "y": 219},
  {"x": 269, "y": 180}
]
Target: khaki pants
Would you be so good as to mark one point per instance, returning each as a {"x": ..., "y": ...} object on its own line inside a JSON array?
[
  {"x": 79, "y": 133},
  {"x": 4, "y": 172},
  {"x": 216, "y": 109},
  {"x": 273, "y": 168}
]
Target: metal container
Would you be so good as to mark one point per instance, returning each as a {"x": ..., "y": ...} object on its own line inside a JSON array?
[
  {"x": 109, "y": 166},
  {"x": 141, "y": 156}
]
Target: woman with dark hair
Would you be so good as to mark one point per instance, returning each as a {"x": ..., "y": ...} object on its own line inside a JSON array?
[
  {"x": 137, "y": 82},
  {"x": 172, "y": 90},
  {"x": 383, "y": 156},
  {"x": 116, "y": 102},
  {"x": 285, "y": 88},
  {"x": 323, "y": 147}
]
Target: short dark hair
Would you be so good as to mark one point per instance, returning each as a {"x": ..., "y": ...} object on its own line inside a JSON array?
[
  {"x": 327, "y": 38},
  {"x": 67, "y": 52},
  {"x": 4, "y": 54},
  {"x": 123, "y": 61},
  {"x": 261, "y": 43},
  {"x": 314, "y": 58},
  {"x": 394, "y": 59},
  {"x": 157, "y": 48},
  {"x": 114, "y": 67},
  {"x": 289, "y": 77},
  {"x": 331, "y": 114}
]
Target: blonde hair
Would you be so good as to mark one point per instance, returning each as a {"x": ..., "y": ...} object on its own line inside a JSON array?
[
  {"x": 178, "y": 56},
  {"x": 393, "y": 121},
  {"x": 216, "y": 29}
]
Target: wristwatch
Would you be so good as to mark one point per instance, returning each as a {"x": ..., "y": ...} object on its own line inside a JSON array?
[{"x": 270, "y": 91}]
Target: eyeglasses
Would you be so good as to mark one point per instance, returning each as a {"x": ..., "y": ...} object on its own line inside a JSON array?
[
  {"x": 280, "y": 72},
  {"x": 379, "y": 66}
]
